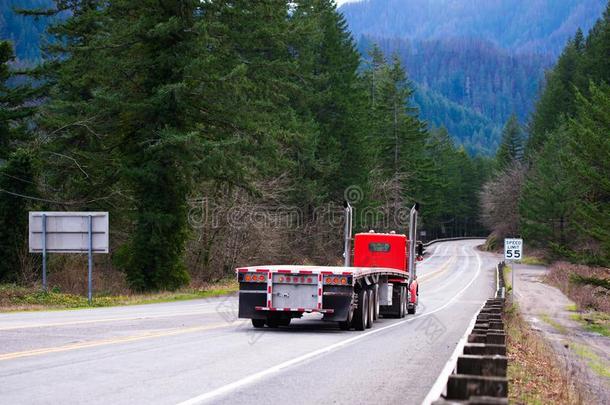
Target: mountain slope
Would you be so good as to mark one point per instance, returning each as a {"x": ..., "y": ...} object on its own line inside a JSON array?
[
  {"x": 24, "y": 32},
  {"x": 473, "y": 62},
  {"x": 540, "y": 26},
  {"x": 477, "y": 133},
  {"x": 485, "y": 84}
]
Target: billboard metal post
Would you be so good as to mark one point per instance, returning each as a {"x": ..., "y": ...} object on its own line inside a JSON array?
[
  {"x": 44, "y": 252},
  {"x": 89, "y": 293}
]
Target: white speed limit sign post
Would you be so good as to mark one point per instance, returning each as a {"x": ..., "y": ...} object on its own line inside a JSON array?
[{"x": 513, "y": 250}]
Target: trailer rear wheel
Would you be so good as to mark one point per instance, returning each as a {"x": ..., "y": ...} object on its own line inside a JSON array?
[
  {"x": 376, "y": 295},
  {"x": 258, "y": 323},
  {"x": 403, "y": 302},
  {"x": 361, "y": 312},
  {"x": 371, "y": 308}
]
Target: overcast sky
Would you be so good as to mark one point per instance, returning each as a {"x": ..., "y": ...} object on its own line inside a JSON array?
[{"x": 339, "y": 2}]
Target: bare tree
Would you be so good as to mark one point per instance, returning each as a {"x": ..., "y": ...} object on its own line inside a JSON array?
[{"x": 499, "y": 201}]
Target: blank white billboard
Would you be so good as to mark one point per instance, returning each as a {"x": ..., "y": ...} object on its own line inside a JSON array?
[{"x": 68, "y": 232}]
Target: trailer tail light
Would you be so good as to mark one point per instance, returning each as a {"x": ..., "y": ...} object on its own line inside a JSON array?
[
  {"x": 254, "y": 278},
  {"x": 294, "y": 279},
  {"x": 336, "y": 280}
]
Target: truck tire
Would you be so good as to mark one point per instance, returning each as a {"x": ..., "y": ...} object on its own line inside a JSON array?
[
  {"x": 403, "y": 302},
  {"x": 412, "y": 308},
  {"x": 376, "y": 295},
  {"x": 371, "y": 308},
  {"x": 258, "y": 323},
  {"x": 275, "y": 321},
  {"x": 361, "y": 312}
]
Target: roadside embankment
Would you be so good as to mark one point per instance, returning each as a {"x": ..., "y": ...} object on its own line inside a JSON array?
[
  {"x": 554, "y": 358},
  {"x": 17, "y": 298}
]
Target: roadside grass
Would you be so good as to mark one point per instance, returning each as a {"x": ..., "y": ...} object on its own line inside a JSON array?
[
  {"x": 559, "y": 327},
  {"x": 506, "y": 270},
  {"x": 533, "y": 261},
  {"x": 593, "y": 360},
  {"x": 534, "y": 372},
  {"x": 18, "y": 298},
  {"x": 592, "y": 321}
]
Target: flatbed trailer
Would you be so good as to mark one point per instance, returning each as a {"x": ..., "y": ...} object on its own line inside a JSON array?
[{"x": 382, "y": 282}]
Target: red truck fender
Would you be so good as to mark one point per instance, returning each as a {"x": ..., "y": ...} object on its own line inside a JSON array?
[{"x": 413, "y": 292}]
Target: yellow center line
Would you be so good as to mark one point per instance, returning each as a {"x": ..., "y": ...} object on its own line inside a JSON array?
[
  {"x": 436, "y": 273},
  {"x": 110, "y": 341},
  {"x": 88, "y": 321}
]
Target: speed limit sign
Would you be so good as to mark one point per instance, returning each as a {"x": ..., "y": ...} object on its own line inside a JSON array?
[{"x": 513, "y": 249}]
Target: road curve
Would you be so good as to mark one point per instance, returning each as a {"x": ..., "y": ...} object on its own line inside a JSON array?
[{"x": 198, "y": 352}]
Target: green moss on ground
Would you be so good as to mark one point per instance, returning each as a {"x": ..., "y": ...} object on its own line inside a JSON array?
[{"x": 17, "y": 298}]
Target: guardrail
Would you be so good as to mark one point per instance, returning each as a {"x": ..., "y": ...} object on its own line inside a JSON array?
[
  {"x": 450, "y": 239},
  {"x": 479, "y": 373}
]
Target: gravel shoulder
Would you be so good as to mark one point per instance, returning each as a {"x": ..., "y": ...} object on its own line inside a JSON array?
[{"x": 586, "y": 355}]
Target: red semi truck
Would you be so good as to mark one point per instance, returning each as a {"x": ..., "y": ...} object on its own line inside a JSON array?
[{"x": 381, "y": 282}]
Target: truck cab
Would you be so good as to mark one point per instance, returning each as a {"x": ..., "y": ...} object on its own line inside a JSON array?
[{"x": 387, "y": 250}]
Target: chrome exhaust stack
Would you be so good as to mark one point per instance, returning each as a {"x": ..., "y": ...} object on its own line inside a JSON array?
[
  {"x": 347, "y": 247},
  {"x": 412, "y": 240}
]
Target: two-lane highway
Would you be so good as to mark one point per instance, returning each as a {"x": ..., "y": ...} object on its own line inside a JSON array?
[{"x": 198, "y": 351}]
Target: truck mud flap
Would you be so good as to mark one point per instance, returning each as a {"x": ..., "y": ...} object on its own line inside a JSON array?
[
  {"x": 250, "y": 297},
  {"x": 340, "y": 304}
]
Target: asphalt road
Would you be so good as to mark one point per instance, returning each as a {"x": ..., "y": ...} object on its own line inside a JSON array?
[{"x": 197, "y": 351}]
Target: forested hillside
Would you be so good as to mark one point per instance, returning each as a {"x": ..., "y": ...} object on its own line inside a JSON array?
[
  {"x": 26, "y": 34},
  {"x": 524, "y": 26},
  {"x": 559, "y": 177},
  {"x": 216, "y": 135},
  {"x": 486, "y": 57},
  {"x": 471, "y": 62},
  {"x": 469, "y": 86}
]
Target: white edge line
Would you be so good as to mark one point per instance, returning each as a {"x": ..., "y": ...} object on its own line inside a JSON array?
[{"x": 279, "y": 367}]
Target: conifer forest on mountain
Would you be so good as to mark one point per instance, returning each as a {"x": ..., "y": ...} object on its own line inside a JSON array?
[{"x": 220, "y": 133}]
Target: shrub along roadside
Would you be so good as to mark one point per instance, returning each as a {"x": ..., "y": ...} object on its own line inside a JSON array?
[
  {"x": 16, "y": 298},
  {"x": 587, "y": 295}
]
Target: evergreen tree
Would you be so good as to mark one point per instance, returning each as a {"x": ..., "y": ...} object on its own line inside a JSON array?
[
  {"x": 121, "y": 111},
  {"x": 589, "y": 149},
  {"x": 596, "y": 63},
  {"x": 511, "y": 147},
  {"x": 564, "y": 204},
  {"x": 557, "y": 98},
  {"x": 330, "y": 61},
  {"x": 550, "y": 196},
  {"x": 17, "y": 183}
]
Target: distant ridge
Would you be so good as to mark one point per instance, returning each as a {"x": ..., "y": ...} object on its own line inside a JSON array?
[
  {"x": 473, "y": 62},
  {"x": 541, "y": 26}
]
